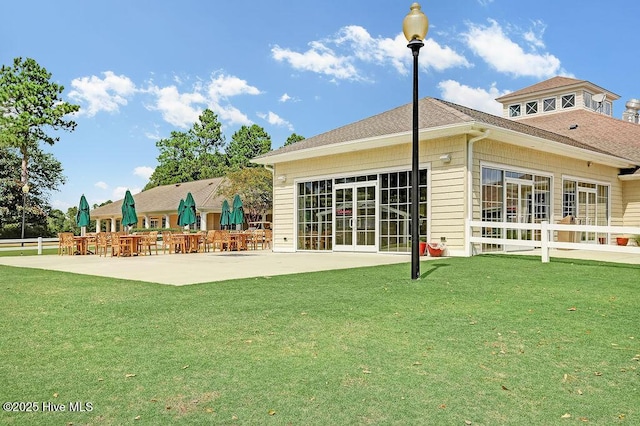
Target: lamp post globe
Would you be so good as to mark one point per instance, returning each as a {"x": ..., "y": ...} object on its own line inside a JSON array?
[{"x": 415, "y": 26}]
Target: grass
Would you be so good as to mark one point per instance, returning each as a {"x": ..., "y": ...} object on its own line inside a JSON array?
[{"x": 485, "y": 340}]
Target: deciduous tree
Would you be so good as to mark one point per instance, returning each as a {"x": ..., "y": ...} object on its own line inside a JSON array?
[{"x": 255, "y": 187}]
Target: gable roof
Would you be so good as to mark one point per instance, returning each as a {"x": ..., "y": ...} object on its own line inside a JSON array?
[
  {"x": 395, "y": 126},
  {"x": 553, "y": 84},
  {"x": 165, "y": 199}
]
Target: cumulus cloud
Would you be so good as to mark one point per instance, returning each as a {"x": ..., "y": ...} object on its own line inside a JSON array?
[
  {"x": 286, "y": 98},
  {"x": 275, "y": 120},
  {"x": 319, "y": 59},
  {"x": 179, "y": 109},
  {"x": 183, "y": 108},
  {"x": 144, "y": 172},
  {"x": 101, "y": 185},
  {"x": 504, "y": 55},
  {"x": 341, "y": 56},
  {"x": 101, "y": 94},
  {"x": 473, "y": 97}
]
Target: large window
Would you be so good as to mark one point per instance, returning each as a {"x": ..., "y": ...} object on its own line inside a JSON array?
[
  {"x": 315, "y": 215},
  {"x": 516, "y": 197},
  {"x": 395, "y": 210},
  {"x": 588, "y": 203}
]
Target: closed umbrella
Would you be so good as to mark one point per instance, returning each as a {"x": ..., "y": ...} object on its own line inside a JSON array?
[
  {"x": 237, "y": 212},
  {"x": 129, "y": 217},
  {"x": 225, "y": 216},
  {"x": 181, "y": 213},
  {"x": 83, "y": 217},
  {"x": 189, "y": 212}
]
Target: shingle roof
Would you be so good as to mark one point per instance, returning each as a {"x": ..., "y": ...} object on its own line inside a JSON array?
[
  {"x": 166, "y": 198},
  {"x": 552, "y": 83},
  {"x": 596, "y": 130},
  {"x": 434, "y": 113},
  {"x": 556, "y": 83}
]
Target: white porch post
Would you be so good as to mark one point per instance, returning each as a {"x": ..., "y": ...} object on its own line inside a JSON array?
[
  {"x": 203, "y": 221},
  {"x": 167, "y": 222},
  {"x": 147, "y": 223},
  {"x": 113, "y": 224},
  {"x": 97, "y": 225}
]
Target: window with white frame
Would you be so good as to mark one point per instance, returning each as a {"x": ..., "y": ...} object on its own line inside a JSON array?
[
  {"x": 549, "y": 104},
  {"x": 568, "y": 101},
  {"x": 514, "y": 110},
  {"x": 531, "y": 107}
]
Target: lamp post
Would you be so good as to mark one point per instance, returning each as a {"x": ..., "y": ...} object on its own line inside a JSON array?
[
  {"x": 415, "y": 27},
  {"x": 25, "y": 191}
]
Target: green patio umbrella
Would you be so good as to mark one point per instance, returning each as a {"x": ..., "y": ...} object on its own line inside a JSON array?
[
  {"x": 181, "y": 213},
  {"x": 225, "y": 216},
  {"x": 237, "y": 212},
  {"x": 83, "y": 217},
  {"x": 189, "y": 212},
  {"x": 129, "y": 217}
]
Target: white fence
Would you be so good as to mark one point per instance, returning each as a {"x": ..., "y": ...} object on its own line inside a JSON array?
[
  {"x": 26, "y": 244},
  {"x": 547, "y": 236}
]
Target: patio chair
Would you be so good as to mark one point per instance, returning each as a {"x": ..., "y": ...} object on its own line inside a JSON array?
[
  {"x": 268, "y": 237},
  {"x": 208, "y": 240},
  {"x": 66, "y": 245},
  {"x": 222, "y": 239},
  {"x": 103, "y": 243},
  {"x": 150, "y": 240},
  {"x": 117, "y": 247}
]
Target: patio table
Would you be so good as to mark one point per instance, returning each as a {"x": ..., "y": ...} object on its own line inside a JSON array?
[{"x": 132, "y": 242}]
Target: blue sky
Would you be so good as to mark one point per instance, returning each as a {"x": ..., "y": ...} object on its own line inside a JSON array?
[{"x": 141, "y": 69}]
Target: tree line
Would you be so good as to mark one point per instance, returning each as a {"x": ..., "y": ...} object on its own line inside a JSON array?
[{"x": 32, "y": 111}]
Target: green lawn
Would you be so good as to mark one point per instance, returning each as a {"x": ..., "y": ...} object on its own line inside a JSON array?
[{"x": 484, "y": 340}]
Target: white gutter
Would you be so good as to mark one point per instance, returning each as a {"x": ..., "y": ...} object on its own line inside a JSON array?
[{"x": 479, "y": 135}]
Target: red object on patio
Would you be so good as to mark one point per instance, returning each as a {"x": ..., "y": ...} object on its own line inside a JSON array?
[
  {"x": 622, "y": 241},
  {"x": 435, "y": 249}
]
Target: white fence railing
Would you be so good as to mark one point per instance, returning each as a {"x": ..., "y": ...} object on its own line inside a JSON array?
[
  {"x": 26, "y": 243},
  {"x": 548, "y": 239}
]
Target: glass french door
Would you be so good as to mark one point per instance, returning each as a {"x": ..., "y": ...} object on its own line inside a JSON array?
[
  {"x": 355, "y": 213},
  {"x": 586, "y": 212},
  {"x": 519, "y": 203}
]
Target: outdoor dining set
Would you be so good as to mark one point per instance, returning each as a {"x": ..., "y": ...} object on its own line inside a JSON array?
[{"x": 121, "y": 244}]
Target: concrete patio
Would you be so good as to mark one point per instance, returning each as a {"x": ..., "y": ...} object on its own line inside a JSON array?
[{"x": 180, "y": 269}]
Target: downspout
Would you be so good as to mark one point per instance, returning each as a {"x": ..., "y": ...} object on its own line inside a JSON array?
[
  {"x": 479, "y": 135},
  {"x": 268, "y": 167}
]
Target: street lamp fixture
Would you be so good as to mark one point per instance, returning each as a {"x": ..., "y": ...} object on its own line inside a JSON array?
[
  {"x": 415, "y": 27},
  {"x": 25, "y": 191}
]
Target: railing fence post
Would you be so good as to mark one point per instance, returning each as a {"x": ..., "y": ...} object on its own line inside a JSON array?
[{"x": 545, "y": 241}]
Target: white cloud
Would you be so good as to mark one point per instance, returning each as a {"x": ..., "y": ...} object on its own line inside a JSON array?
[
  {"x": 476, "y": 98},
  {"x": 101, "y": 185},
  {"x": 440, "y": 58},
  {"x": 144, "y": 172},
  {"x": 106, "y": 94},
  {"x": 179, "y": 109},
  {"x": 340, "y": 56},
  {"x": 319, "y": 59},
  {"x": 285, "y": 98},
  {"x": 182, "y": 109},
  {"x": 275, "y": 120},
  {"x": 534, "y": 35},
  {"x": 506, "y": 56},
  {"x": 226, "y": 86}
]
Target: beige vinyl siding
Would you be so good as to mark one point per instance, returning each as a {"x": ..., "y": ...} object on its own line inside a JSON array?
[
  {"x": 631, "y": 203},
  {"x": 447, "y": 182},
  {"x": 488, "y": 151}
]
